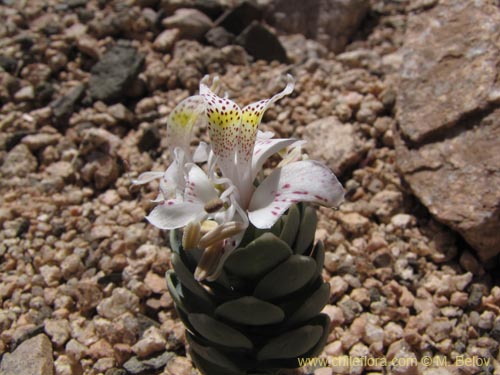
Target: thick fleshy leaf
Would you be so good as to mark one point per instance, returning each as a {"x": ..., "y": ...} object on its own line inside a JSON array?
[
  {"x": 181, "y": 120},
  {"x": 218, "y": 332},
  {"x": 307, "y": 231},
  {"x": 210, "y": 354},
  {"x": 250, "y": 311},
  {"x": 258, "y": 257},
  {"x": 287, "y": 278},
  {"x": 251, "y": 117},
  {"x": 312, "y": 305},
  {"x": 187, "y": 280},
  {"x": 291, "y": 226},
  {"x": 199, "y": 189},
  {"x": 291, "y": 344},
  {"x": 264, "y": 148},
  {"x": 173, "y": 214},
  {"x": 302, "y": 181}
]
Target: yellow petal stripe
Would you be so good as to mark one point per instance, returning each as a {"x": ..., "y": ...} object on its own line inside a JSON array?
[
  {"x": 181, "y": 120},
  {"x": 224, "y": 118}
]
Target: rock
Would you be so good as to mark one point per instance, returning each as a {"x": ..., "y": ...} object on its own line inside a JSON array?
[
  {"x": 61, "y": 169},
  {"x": 335, "y": 143},
  {"x": 179, "y": 366},
  {"x": 219, "y": 37},
  {"x": 387, "y": 203},
  {"x": 88, "y": 46},
  {"x": 149, "y": 137},
  {"x": 101, "y": 169},
  {"x": 151, "y": 342},
  {"x": 114, "y": 73},
  {"x": 439, "y": 329},
  {"x": 353, "y": 222},
  {"x": 165, "y": 41},
  {"x": 58, "y": 330},
  {"x": 120, "y": 302},
  {"x": 212, "y": 8},
  {"x": 63, "y": 107},
  {"x": 330, "y": 22},
  {"x": 300, "y": 49},
  {"x": 237, "y": 19},
  {"x": 39, "y": 141},
  {"x": 261, "y": 43},
  {"x": 402, "y": 221},
  {"x": 8, "y": 64},
  {"x": 32, "y": 357},
  {"x": 447, "y": 108},
  {"x": 191, "y": 23},
  {"x": 24, "y": 94},
  {"x": 136, "y": 366},
  {"x": 338, "y": 287},
  {"x": 19, "y": 162}
]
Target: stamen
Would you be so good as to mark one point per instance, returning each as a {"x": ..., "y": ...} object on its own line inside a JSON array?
[
  {"x": 208, "y": 261},
  {"x": 191, "y": 235},
  {"x": 221, "y": 232},
  {"x": 213, "y": 205}
]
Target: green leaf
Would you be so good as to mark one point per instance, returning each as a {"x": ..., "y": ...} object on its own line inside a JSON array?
[
  {"x": 172, "y": 283},
  {"x": 312, "y": 305},
  {"x": 291, "y": 344},
  {"x": 211, "y": 354},
  {"x": 324, "y": 321},
  {"x": 276, "y": 228},
  {"x": 188, "y": 281},
  {"x": 307, "y": 230},
  {"x": 319, "y": 256},
  {"x": 207, "y": 367},
  {"x": 288, "y": 277},
  {"x": 218, "y": 332},
  {"x": 291, "y": 226},
  {"x": 258, "y": 257},
  {"x": 250, "y": 311},
  {"x": 175, "y": 241}
]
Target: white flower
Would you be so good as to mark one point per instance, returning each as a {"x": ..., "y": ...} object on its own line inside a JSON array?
[
  {"x": 241, "y": 154},
  {"x": 226, "y": 194}
]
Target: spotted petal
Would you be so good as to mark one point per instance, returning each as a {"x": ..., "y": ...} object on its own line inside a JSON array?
[
  {"x": 302, "y": 181},
  {"x": 251, "y": 118},
  {"x": 174, "y": 213},
  {"x": 224, "y": 118},
  {"x": 264, "y": 148},
  {"x": 181, "y": 121},
  {"x": 199, "y": 189}
]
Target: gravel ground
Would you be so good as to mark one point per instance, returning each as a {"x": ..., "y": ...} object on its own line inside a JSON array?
[{"x": 80, "y": 266}]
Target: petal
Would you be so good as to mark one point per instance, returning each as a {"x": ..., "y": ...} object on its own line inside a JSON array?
[
  {"x": 264, "y": 135},
  {"x": 201, "y": 153},
  {"x": 199, "y": 188},
  {"x": 264, "y": 148},
  {"x": 251, "y": 117},
  {"x": 302, "y": 181},
  {"x": 181, "y": 120},
  {"x": 174, "y": 213},
  {"x": 224, "y": 118},
  {"x": 173, "y": 181},
  {"x": 146, "y": 177}
]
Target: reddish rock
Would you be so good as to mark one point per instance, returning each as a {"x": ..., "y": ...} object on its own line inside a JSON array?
[{"x": 449, "y": 121}]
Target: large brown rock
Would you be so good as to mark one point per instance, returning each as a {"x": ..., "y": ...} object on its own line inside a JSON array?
[
  {"x": 330, "y": 22},
  {"x": 448, "y": 110},
  {"x": 32, "y": 357}
]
